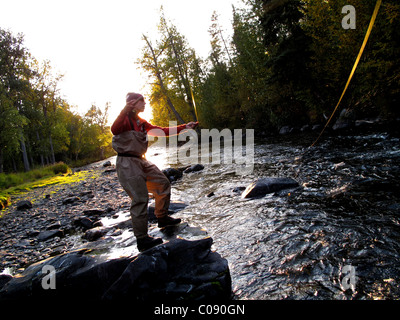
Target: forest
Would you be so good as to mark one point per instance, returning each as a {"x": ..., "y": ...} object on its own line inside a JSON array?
[
  {"x": 37, "y": 126},
  {"x": 286, "y": 63}
]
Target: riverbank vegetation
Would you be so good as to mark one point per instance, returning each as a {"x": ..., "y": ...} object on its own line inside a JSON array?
[
  {"x": 12, "y": 183},
  {"x": 286, "y": 64},
  {"x": 38, "y": 127}
]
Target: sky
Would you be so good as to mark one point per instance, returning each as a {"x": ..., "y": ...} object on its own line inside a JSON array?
[{"x": 95, "y": 43}]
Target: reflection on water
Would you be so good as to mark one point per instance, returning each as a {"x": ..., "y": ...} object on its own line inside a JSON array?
[{"x": 298, "y": 245}]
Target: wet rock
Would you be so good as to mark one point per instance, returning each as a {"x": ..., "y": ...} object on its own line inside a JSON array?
[
  {"x": 84, "y": 222},
  {"x": 194, "y": 168},
  {"x": 107, "y": 164},
  {"x": 238, "y": 189},
  {"x": 55, "y": 225},
  {"x": 285, "y": 130},
  {"x": 48, "y": 234},
  {"x": 264, "y": 186},
  {"x": 345, "y": 120},
  {"x": 110, "y": 170},
  {"x": 173, "y": 174},
  {"x": 33, "y": 233},
  {"x": 70, "y": 200},
  {"x": 177, "y": 270},
  {"x": 95, "y": 233},
  {"x": 4, "y": 278},
  {"x": 94, "y": 212},
  {"x": 24, "y": 204}
]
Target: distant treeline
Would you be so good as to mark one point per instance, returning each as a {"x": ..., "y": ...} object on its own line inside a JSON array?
[
  {"x": 286, "y": 64},
  {"x": 37, "y": 126}
]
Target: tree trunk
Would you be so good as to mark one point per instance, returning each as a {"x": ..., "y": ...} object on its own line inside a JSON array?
[
  {"x": 161, "y": 82},
  {"x": 24, "y": 153},
  {"x": 41, "y": 154},
  {"x": 184, "y": 77},
  {"x": 52, "y": 157}
]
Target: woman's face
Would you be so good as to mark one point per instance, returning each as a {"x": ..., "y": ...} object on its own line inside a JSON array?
[
  {"x": 140, "y": 106},
  {"x": 137, "y": 106}
]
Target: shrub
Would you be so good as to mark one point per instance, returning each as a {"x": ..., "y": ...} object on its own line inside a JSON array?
[
  {"x": 60, "y": 167},
  {"x": 4, "y": 201}
]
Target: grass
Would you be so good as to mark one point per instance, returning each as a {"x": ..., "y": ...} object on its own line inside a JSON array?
[
  {"x": 18, "y": 183},
  {"x": 14, "y": 179}
]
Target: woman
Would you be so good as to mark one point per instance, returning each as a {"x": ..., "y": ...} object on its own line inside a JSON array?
[{"x": 138, "y": 176}]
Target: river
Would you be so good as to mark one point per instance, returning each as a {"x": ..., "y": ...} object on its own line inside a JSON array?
[{"x": 336, "y": 237}]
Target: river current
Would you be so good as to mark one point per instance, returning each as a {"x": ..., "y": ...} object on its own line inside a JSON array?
[{"x": 335, "y": 237}]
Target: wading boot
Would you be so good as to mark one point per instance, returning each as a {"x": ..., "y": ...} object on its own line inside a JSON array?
[
  {"x": 148, "y": 242},
  {"x": 167, "y": 221}
]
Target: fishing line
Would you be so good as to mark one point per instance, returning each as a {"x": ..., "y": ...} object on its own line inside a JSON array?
[{"x": 371, "y": 24}]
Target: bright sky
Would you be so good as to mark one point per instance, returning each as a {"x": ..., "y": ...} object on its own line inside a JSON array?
[{"x": 95, "y": 43}]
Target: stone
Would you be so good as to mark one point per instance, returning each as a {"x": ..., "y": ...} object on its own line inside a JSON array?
[
  {"x": 174, "y": 271},
  {"x": 24, "y": 204},
  {"x": 263, "y": 186},
  {"x": 238, "y": 189},
  {"x": 285, "y": 130},
  {"x": 84, "y": 222},
  {"x": 55, "y": 225},
  {"x": 4, "y": 279},
  {"x": 95, "y": 233},
  {"x": 48, "y": 234},
  {"x": 70, "y": 200},
  {"x": 194, "y": 168},
  {"x": 94, "y": 212},
  {"x": 172, "y": 174},
  {"x": 107, "y": 164}
]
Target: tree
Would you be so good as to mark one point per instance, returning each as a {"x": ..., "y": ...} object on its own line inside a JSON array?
[
  {"x": 375, "y": 87},
  {"x": 14, "y": 87},
  {"x": 177, "y": 72},
  {"x": 150, "y": 63}
]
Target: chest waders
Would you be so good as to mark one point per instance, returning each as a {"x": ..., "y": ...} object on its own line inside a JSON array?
[{"x": 138, "y": 177}]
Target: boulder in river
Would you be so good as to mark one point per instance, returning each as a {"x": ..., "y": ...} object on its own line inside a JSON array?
[
  {"x": 176, "y": 270},
  {"x": 263, "y": 186},
  {"x": 95, "y": 233},
  {"x": 194, "y": 168},
  {"x": 172, "y": 174}
]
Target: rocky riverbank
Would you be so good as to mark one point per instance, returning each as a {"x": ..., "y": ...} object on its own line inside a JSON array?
[
  {"x": 295, "y": 243},
  {"x": 36, "y": 225},
  {"x": 74, "y": 229}
]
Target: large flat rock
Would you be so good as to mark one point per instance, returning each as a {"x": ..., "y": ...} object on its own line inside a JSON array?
[{"x": 176, "y": 270}]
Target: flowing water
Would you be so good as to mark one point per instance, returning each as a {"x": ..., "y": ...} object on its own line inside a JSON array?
[{"x": 335, "y": 237}]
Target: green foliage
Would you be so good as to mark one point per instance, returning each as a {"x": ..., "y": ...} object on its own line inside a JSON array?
[
  {"x": 286, "y": 64},
  {"x": 60, "y": 167},
  {"x": 175, "y": 71},
  {"x": 15, "y": 179},
  {"x": 4, "y": 201},
  {"x": 37, "y": 126}
]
